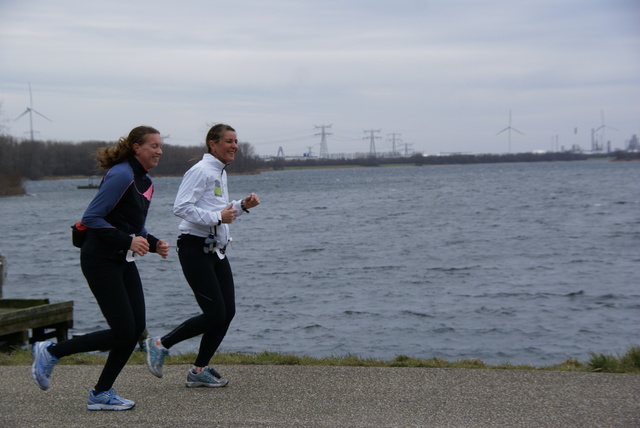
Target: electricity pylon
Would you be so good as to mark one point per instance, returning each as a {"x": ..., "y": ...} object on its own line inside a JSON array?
[
  {"x": 393, "y": 142},
  {"x": 372, "y": 144},
  {"x": 324, "y": 150}
]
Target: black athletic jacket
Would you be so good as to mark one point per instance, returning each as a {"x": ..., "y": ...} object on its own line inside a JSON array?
[{"x": 118, "y": 211}]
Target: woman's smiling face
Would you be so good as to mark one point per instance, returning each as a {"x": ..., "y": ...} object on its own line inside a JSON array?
[
  {"x": 225, "y": 149},
  {"x": 148, "y": 154}
]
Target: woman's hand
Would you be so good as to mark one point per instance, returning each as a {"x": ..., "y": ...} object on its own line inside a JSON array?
[
  {"x": 139, "y": 245},
  {"x": 251, "y": 201},
  {"x": 162, "y": 248},
  {"x": 228, "y": 214}
]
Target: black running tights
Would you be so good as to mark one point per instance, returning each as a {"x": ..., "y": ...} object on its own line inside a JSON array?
[
  {"x": 118, "y": 291},
  {"x": 211, "y": 280}
]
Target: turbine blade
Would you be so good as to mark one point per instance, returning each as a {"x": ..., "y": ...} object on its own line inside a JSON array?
[
  {"x": 517, "y": 131},
  {"x": 37, "y": 112},
  {"x": 25, "y": 112},
  {"x": 505, "y": 129}
]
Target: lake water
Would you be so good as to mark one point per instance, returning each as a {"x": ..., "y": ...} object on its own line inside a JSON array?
[{"x": 527, "y": 263}]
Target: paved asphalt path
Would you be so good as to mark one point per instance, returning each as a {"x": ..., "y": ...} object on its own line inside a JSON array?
[{"x": 293, "y": 396}]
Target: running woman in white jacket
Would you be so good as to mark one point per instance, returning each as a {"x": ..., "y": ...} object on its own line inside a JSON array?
[{"x": 203, "y": 204}]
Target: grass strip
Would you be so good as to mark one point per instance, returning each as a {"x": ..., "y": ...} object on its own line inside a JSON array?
[{"x": 604, "y": 363}]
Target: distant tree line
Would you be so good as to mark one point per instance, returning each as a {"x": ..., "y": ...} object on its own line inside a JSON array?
[
  {"x": 35, "y": 160},
  {"x": 455, "y": 159},
  {"x": 507, "y": 158}
]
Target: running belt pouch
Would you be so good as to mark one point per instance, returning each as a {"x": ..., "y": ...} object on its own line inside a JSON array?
[{"x": 78, "y": 234}]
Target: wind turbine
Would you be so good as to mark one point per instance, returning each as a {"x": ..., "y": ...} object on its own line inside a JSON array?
[
  {"x": 31, "y": 110},
  {"x": 602, "y": 127},
  {"x": 509, "y": 129}
]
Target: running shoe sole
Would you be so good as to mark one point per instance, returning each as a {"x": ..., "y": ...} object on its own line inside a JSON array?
[
  {"x": 109, "y": 400},
  {"x": 206, "y": 384},
  {"x": 98, "y": 406}
]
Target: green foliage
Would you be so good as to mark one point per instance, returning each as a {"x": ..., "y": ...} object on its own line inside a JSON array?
[
  {"x": 627, "y": 363},
  {"x": 569, "y": 365},
  {"x": 603, "y": 363},
  {"x": 631, "y": 360},
  {"x": 267, "y": 358}
]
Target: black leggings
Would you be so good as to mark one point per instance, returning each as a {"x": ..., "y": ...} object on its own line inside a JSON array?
[
  {"x": 211, "y": 280},
  {"x": 118, "y": 291}
]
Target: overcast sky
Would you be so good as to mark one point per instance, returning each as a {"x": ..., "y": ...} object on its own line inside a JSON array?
[{"x": 436, "y": 76}]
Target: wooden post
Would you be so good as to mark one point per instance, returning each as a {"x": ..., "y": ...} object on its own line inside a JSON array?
[
  {"x": 3, "y": 272},
  {"x": 38, "y": 315}
]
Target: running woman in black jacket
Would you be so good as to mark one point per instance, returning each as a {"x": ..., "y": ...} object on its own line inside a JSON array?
[{"x": 116, "y": 235}]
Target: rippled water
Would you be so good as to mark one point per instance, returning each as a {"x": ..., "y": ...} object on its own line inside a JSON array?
[{"x": 520, "y": 263}]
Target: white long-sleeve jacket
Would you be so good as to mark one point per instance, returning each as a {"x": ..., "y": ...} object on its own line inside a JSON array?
[{"x": 202, "y": 195}]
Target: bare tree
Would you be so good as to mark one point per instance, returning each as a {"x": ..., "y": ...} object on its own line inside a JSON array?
[{"x": 4, "y": 127}]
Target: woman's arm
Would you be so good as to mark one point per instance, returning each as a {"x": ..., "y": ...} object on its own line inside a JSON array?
[{"x": 193, "y": 187}]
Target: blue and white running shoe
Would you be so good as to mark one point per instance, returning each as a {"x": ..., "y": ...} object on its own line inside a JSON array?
[
  {"x": 155, "y": 356},
  {"x": 108, "y": 400},
  {"x": 208, "y": 378},
  {"x": 43, "y": 363}
]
